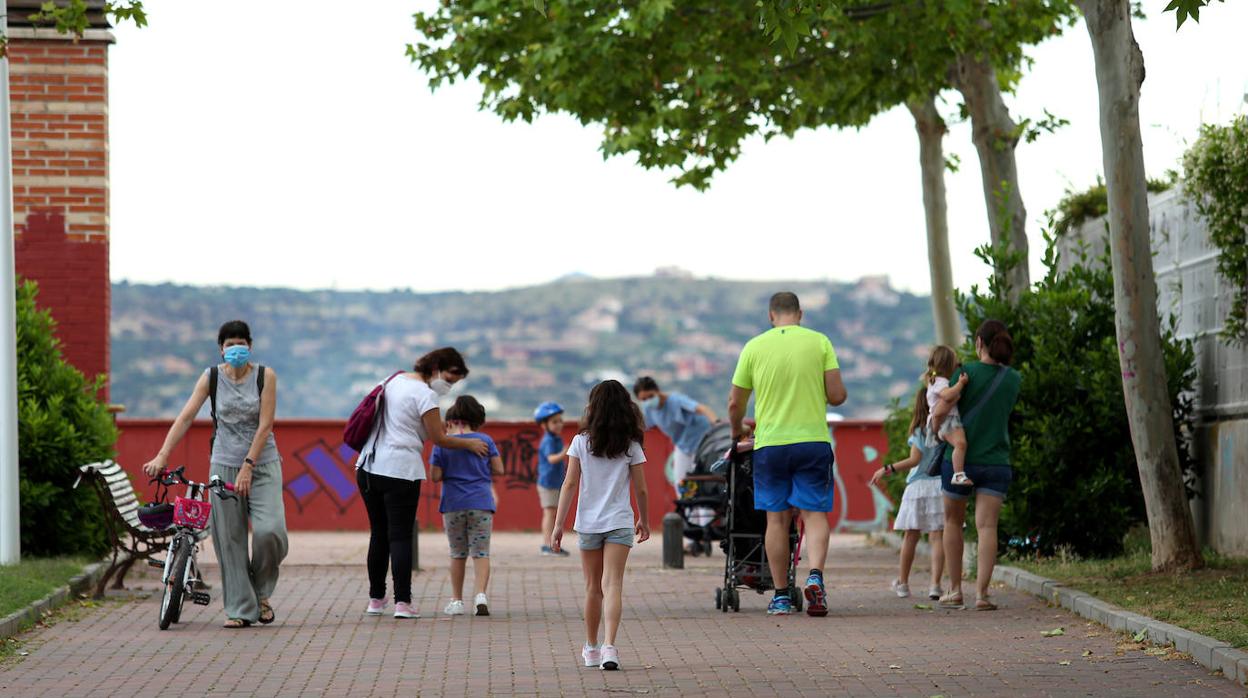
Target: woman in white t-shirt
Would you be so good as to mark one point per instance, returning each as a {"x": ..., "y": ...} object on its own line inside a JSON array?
[
  {"x": 391, "y": 466},
  {"x": 603, "y": 460}
]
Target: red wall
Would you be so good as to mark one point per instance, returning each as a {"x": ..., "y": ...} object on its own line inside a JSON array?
[{"x": 320, "y": 480}]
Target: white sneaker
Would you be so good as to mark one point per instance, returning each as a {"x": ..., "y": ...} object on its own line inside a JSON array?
[
  {"x": 592, "y": 655},
  {"x": 610, "y": 658},
  {"x": 454, "y": 608},
  {"x": 901, "y": 590},
  {"x": 482, "y": 604},
  {"x": 934, "y": 593}
]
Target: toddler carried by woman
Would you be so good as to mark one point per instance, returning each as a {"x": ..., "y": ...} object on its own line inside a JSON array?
[{"x": 945, "y": 423}]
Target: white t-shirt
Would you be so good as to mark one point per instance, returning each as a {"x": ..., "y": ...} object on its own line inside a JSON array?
[
  {"x": 934, "y": 390},
  {"x": 400, "y": 453},
  {"x": 604, "y": 503}
]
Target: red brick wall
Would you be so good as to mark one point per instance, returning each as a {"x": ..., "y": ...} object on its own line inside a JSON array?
[{"x": 59, "y": 116}]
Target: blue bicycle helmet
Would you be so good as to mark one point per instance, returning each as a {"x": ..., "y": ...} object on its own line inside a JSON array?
[{"x": 545, "y": 411}]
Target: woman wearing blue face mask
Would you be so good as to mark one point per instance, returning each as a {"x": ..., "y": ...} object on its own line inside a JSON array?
[
  {"x": 244, "y": 452},
  {"x": 680, "y": 417},
  {"x": 391, "y": 466}
]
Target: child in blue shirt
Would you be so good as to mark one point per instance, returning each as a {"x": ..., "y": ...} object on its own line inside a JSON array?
[
  {"x": 468, "y": 504},
  {"x": 551, "y": 467}
]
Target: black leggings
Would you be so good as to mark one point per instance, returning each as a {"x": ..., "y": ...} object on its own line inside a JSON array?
[{"x": 391, "y": 505}]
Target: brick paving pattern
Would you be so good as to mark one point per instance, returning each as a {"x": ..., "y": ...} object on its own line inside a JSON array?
[{"x": 673, "y": 641}]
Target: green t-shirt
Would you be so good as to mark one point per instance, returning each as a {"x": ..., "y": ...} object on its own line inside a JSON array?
[
  {"x": 784, "y": 366},
  {"x": 988, "y": 436}
]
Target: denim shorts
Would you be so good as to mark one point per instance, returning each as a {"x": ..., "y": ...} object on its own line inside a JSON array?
[
  {"x": 595, "y": 541},
  {"x": 992, "y": 480}
]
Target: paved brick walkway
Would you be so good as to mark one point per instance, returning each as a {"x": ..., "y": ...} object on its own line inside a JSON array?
[{"x": 673, "y": 641}]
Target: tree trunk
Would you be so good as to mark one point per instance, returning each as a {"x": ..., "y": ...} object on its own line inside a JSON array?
[
  {"x": 1119, "y": 74},
  {"x": 995, "y": 136},
  {"x": 932, "y": 131}
]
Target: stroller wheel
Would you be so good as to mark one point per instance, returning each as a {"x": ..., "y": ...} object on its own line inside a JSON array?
[
  {"x": 736, "y": 601},
  {"x": 719, "y": 598}
]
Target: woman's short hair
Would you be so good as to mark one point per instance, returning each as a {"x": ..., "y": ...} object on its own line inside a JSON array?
[
  {"x": 234, "y": 329},
  {"x": 645, "y": 383},
  {"x": 467, "y": 410},
  {"x": 445, "y": 359}
]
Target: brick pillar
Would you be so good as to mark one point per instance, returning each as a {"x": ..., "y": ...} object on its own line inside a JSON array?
[{"x": 59, "y": 116}]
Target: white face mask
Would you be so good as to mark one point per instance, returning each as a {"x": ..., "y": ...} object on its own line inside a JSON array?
[{"x": 440, "y": 386}]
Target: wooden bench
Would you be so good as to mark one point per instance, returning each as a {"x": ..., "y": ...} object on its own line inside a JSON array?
[{"x": 131, "y": 540}]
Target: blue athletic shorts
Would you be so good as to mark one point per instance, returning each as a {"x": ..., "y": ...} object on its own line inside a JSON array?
[
  {"x": 989, "y": 479},
  {"x": 794, "y": 475}
]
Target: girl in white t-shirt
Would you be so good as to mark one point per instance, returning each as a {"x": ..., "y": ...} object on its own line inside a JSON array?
[{"x": 603, "y": 460}]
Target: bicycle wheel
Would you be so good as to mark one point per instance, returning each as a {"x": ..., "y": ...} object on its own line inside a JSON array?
[{"x": 175, "y": 587}]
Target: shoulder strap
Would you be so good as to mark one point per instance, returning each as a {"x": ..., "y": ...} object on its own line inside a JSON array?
[
  {"x": 983, "y": 400},
  {"x": 212, "y": 394},
  {"x": 259, "y": 379}
]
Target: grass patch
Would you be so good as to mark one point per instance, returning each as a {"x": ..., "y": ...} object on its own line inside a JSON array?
[
  {"x": 1212, "y": 601},
  {"x": 34, "y": 578}
]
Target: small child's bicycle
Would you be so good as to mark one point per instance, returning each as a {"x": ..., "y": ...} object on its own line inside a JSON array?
[{"x": 189, "y": 515}]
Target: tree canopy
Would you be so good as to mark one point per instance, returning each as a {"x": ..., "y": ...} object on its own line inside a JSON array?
[{"x": 681, "y": 85}]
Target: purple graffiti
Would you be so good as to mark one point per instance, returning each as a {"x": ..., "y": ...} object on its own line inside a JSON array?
[{"x": 321, "y": 469}]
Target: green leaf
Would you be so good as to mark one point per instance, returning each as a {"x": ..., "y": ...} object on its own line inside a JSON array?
[
  {"x": 1141, "y": 636},
  {"x": 1054, "y": 632}
]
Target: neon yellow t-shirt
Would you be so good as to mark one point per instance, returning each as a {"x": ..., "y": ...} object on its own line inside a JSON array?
[{"x": 784, "y": 366}]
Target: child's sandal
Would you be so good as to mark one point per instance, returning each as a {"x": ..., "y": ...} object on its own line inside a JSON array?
[{"x": 961, "y": 480}]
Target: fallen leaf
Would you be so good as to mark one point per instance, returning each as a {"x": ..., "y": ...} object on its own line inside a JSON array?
[
  {"x": 923, "y": 606},
  {"x": 894, "y": 666},
  {"x": 1157, "y": 651},
  {"x": 1139, "y": 637},
  {"x": 23, "y": 653},
  {"x": 1091, "y": 634},
  {"x": 1054, "y": 632},
  {"x": 1064, "y": 662},
  {"x": 1087, "y": 653}
]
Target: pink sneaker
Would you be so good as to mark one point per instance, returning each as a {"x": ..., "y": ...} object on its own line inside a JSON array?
[
  {"x": 405, "y": 610},
  {"x": 375, "y": 607},
  {"x": 592, "y": 655}
]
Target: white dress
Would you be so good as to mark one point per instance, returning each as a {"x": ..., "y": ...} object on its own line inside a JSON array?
[{"x": 922, "y": 505}]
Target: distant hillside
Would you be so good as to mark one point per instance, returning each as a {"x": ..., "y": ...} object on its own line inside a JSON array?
[{"x": 523, "y": 345}]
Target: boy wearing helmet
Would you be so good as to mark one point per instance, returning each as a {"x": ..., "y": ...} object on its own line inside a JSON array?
[{"x": 551, "y": 466}]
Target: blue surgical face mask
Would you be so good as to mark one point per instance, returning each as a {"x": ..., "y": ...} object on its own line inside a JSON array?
[
  {"x": 237, "y": 355},
  {"x": 650, "y": 403}
]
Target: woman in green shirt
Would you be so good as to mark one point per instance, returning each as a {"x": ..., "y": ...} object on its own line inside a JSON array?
[{"x": 987, "y": 459}]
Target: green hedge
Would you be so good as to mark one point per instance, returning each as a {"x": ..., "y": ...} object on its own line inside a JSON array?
[{"x": 61, "y": 424}]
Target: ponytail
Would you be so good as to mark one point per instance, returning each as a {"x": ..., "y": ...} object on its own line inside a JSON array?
[{"x": 997, "y": 341}]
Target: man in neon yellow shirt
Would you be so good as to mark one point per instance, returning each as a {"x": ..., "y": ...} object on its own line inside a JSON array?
[{"x": 794, "y": 374}]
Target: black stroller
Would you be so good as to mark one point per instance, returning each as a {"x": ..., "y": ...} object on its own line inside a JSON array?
[
  {"x": 703, "y": 502},
  {"x": 746, "y": 564}
]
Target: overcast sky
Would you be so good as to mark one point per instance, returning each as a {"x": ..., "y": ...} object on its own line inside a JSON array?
[{"x": 294, "y": 144}]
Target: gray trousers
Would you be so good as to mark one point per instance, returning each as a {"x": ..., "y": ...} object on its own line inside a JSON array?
[{"x": 245, "y": 579}]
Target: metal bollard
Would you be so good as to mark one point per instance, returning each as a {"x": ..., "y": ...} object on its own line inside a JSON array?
[{"x": 673, "y": 541}]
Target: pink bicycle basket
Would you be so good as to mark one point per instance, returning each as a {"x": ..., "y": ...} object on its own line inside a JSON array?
[{"x": 191, "y": 512}]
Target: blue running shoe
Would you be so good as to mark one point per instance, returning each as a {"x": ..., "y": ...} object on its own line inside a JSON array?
[
  {"x": 780, "y": 606},
  {"x": 816, "y": 597}
]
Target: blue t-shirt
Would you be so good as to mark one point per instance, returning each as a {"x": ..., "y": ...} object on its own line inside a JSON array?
[
  {"x": 550, "y": 475},
  {"x": 919, "y": 440},
  {"x": 678, "y": 418},
  {"x": 466, "y": 476}
]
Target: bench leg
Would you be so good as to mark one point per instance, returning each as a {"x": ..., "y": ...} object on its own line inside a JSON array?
[
  {"x": 122, "y": 569},
  {"x": 100, "y": 585}
]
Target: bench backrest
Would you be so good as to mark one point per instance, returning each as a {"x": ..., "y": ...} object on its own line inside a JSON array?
[{"x": 114, "y": 482}]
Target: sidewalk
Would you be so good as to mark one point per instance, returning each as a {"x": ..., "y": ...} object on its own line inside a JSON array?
[{"x": 673, "y": 640}]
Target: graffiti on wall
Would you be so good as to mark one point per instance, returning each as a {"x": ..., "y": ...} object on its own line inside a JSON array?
[{"x": 319, "y": 469}]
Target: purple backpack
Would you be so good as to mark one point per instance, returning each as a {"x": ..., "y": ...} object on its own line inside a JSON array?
[{"x": 371, "y": 408}]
